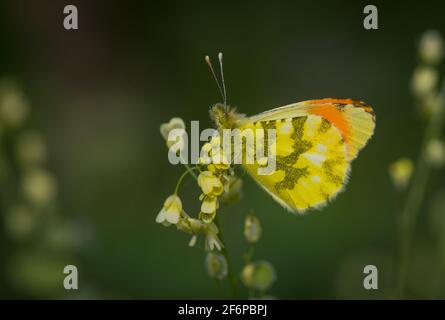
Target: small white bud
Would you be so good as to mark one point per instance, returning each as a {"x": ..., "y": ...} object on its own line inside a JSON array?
[
  {"x": 431, "y": 47},
  {"x": 424, "y": 81},
  {"x": 258, "y": 275},
  {"x": 435, "y": 152},
  {"x": 400, "y": 172},
  {"x": 216, "y": 265},
  {"x": 39, "y": 186},
  {"x": 252, "y": 228}
]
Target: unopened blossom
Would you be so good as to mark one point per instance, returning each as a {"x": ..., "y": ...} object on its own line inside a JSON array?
[
  {"x": 14, "y": 107},
  {"x": 216, "y": 265},
  {"x": 39, "y": 186},
  {"x": 209, "y": 206},
  {"x": 400, "y": 172},
  {"x": 431, "y": 47},
  {"x": 210, "y": 184},
  {"x": 252, "y": 228},
  {"x": 167, "y": 128},
  {"x": 171, "y": 210},
  {"x": 435, "y": 152},
  {"x": 259, "y": 275},
  {"x": 424, "y": 81}
]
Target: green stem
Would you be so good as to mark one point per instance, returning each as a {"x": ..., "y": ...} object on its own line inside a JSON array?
[
  {"x": 231, "y": 277},
  {"x": 416, "y": 192},
  {"x": 188, "y": 171},
  {"x": 248, "y": 259},
  {"x": 249, "y": 255}
]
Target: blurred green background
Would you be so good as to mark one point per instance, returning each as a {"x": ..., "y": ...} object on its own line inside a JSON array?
[{"x": 99, "y": 94}]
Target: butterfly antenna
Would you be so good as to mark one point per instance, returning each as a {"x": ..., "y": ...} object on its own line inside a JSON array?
[
  {"x": 220, "y": 58},
  {"x": 209, "y": 63}
]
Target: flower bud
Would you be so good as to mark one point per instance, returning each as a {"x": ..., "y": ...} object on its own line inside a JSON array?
[
  {"x": 400, "y": 172},
  {"x": 216, "y": 265},
  {"x": 435, "y": 152},
  {"x": 424, "y": 81},
  {"x": 171, "y": 210},
  {"x": 252, "y": 228},
  {"x": 431, "y": 47},
  {"x": 14, "y": 107},
  {"x": 174, "y": 123},
  {"x": 166, "y": 128},
  {"x": 39, "y": 186},
  {"x": 210, "y": 184},
  {"x": 258, "y": 275}
]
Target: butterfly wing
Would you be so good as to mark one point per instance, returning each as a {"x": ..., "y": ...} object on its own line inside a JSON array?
[{"x": 315, "y": 143}]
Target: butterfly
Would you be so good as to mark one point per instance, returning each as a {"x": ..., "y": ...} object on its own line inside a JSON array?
[{"x": 316, "y": 141}]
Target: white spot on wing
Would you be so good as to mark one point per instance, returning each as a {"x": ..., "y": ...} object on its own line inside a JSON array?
[
  {"x": 321, "y": 147},
  {"x": 312, "y": 124},
  {"x": 315, "y": 158},
  {"x": 285, "y": 128}
]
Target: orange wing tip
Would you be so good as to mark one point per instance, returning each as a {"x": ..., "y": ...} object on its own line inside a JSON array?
[
  {"x": 341, "y": 102},
  {"x": 333, "y": 110},
  {"x": 333, "y": 114}
]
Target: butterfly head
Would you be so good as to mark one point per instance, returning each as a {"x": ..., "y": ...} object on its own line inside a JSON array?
[{"x": 224, "y": 116}]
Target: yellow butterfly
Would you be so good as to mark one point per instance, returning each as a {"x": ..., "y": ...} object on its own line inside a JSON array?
[{"x": 316, "y": 140}]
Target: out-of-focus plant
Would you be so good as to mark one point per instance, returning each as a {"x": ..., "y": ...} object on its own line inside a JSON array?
[
  {"x": 437, "y": 219},
  {"x": 257, "y": 276},
  {"x": 429, "y": 97},
  {"x": 42, "y": 241},
  {"x": 400, "y": 172},
  {"x": 220, "y": 186}
]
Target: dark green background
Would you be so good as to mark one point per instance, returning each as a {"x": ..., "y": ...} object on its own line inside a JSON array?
[{"x": 100, "y": 93}]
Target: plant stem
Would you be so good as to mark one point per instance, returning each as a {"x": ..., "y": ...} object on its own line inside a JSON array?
[
  {"x": 188, "y": 171},
  {"x": 249, "y": 255},
  {"x": 248, "y": 259},
  {"x": 230, "y": 276},
  {"x": 417, "y": 191}
]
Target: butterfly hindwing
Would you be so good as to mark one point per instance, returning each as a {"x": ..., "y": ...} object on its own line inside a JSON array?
[{"x": 315, "y": 143}]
